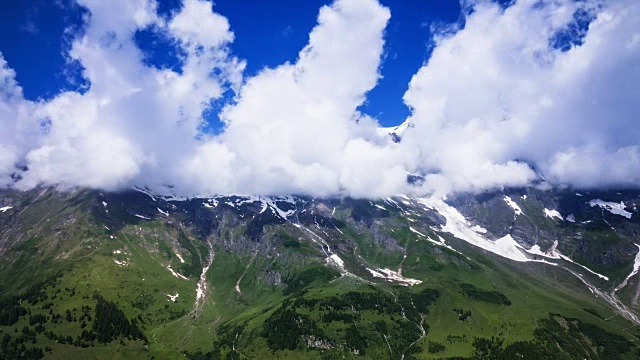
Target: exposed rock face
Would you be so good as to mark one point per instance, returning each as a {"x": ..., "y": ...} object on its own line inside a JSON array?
[
  {"x": 382, "y": 239},
  {"x": 434, "y": 219},
  {"x": 273, "y": 278},
  {"x": 533, "y": 226}
]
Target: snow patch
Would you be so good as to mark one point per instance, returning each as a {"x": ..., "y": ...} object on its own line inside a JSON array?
[
  {"x": 443, "y": 243},
  {"x": 163, "y": 212},
  {"x": 571, "y": 218},
  {"x": 264, "y": 208},
  {"x": 120, "y": 263},
  {"x": 614, "y": 208},
  {"x": 175, "y": 198},
  {"x": 566, "y": 258},
  {"x": 506, "y": 246},
  {"x": 380, "y": 207},
  {"x": 416, "y": 232},
  {"x": 180, "y": 257},
  {"x": 202, "y": 285},
  {"x": 3, "y": 209},
  {"x": 272, "y": 204},
  {"x": 179, "y": 276},
  {"x": 331, "y": 257},
  {"x": 459, "y": 227},
  {"x": 636, "y": 268},
  {"x": 266, "y": 203},
  {"x": 172, "y": 298},
  {"x": 479, "y": 229},
  {"x": 552, "y": 214},
  {"x": 142, "y": 217},
  {"x": 211, "y": 203},
  {"x": 395, "y": 130},
  {"x": 552, "y": 253},
  {"x": 509, "y": 246},
  {"x": 335, "y": 259},
  {"x": 513, "y": 205},
  {"x": 584, "y": 267},
  {"x": 393, "y": 203},
  {"x": 393, "y": 276},
  {"x": 145, "y": 192},
  {"x": 247, "y": 200}
]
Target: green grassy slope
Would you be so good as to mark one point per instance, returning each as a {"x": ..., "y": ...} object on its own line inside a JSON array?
[{"x": 275, "y": 296}]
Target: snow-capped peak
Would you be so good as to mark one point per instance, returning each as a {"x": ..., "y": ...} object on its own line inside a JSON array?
[{"x": 396, "y": 132}]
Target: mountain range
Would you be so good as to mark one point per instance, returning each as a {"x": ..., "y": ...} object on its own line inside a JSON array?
[{"x": 517, "y": 273}]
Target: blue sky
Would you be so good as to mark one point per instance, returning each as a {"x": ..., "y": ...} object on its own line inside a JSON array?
[{"x": 267, "y": 34}]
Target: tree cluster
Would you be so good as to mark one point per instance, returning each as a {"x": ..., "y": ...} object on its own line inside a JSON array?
[
  {"x": 462, "y": 314},
  {"x": 493, "y": 297},
  {"x": 110, "y": 322}
]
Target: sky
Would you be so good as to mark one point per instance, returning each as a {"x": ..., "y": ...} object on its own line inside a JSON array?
[
  {"x": 296, "y": 97},
  {"x": 266, "y": 34}
]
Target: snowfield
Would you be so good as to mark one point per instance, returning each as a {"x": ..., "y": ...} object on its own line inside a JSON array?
[{"x": 614, "y": 208}]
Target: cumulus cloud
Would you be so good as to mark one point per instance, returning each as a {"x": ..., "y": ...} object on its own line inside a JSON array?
[
  {"x": 509, "y": 91},
  {"x": 293, "y": 128},
  {"x": 196, "y": 25},
  {"x": 135, "y": 120},
  {"x": 11, "y": 105},
  {"x": 502, "y": 89}
]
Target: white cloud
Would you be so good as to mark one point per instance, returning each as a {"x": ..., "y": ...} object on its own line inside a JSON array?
[
  {"x": 494, "y": 97},
  {"x": 293, "y": 127},
  {"x": 497, "y": 91},
  {"x": 196, "y": 25},
  {"x": 135, "y": 121},
  {"x": 13, "y": 111}
]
